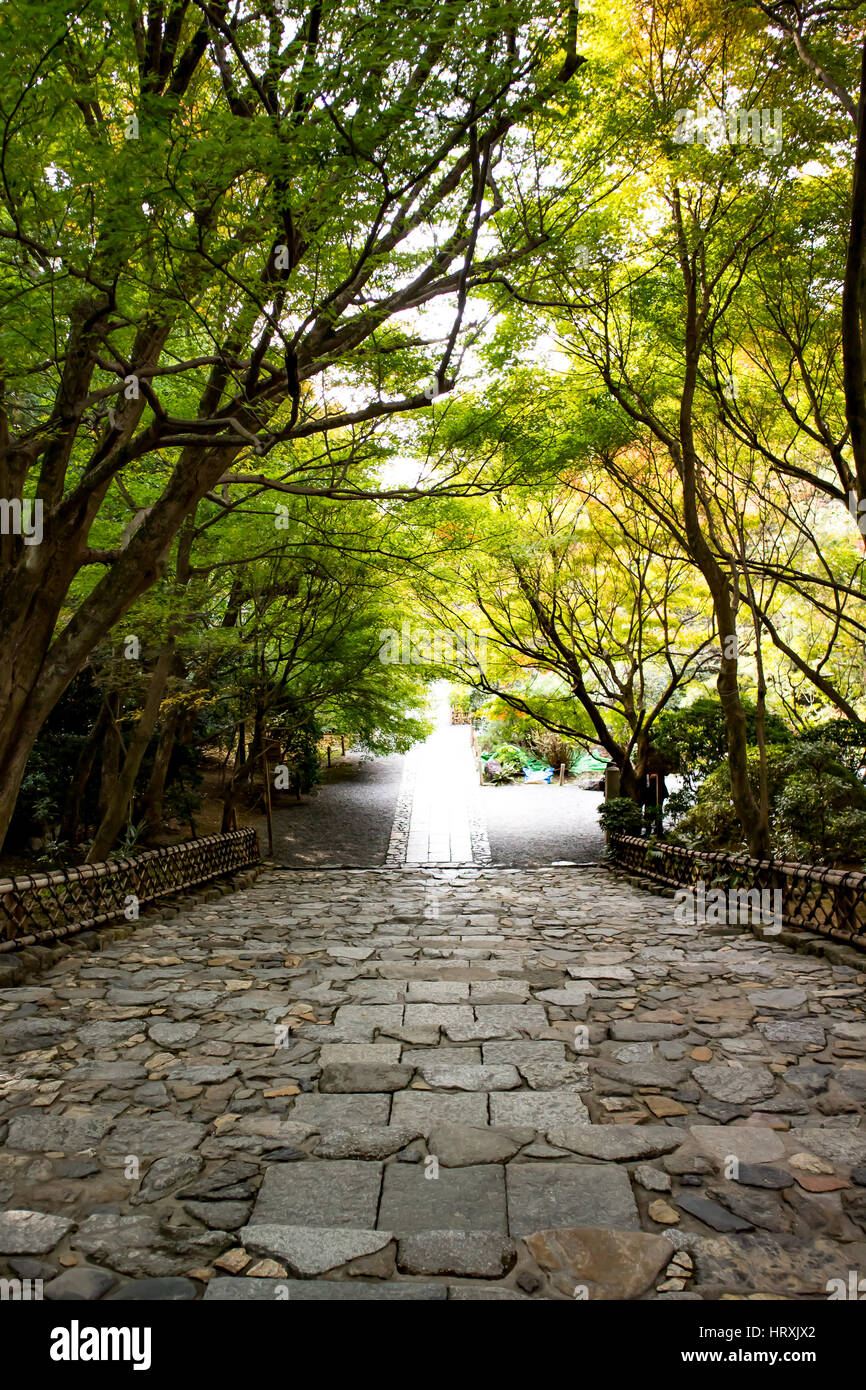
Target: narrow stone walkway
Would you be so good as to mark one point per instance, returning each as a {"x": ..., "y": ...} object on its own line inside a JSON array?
[
  {"x": 439, "y": 820},
  {"x": 434, "y": 1083}
]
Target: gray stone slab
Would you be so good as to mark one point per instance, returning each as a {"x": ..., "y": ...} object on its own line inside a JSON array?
[
  {"x": 572, "y": 996},
  {"x": 619, "y": 1143},
  {"x": 601, "y": 972},
  {"x": 541, "y": 1110},
  {"x": 109, "y": 1034},
  {"x": 309, "y": 1250},
  {"x": 451, "y": 1056},
  {"x": 511, "y": 1018},
  {"x": 365, "y": 1020},
  {"x": 665, "y": 1074},
  {"x": 109, "y": 1072},
  {"x": 438, "y": 1015},
  {"x": 499, "y": 991},
  {"x": 500, "y": 1077},
  {"x": 375, "y": 1054},
  {"x": 424, "y": 1109},
  {"x": 340, "y": 1111},
  {"x": 778, "y": 998},
  {"x": 644, "y": 1030},
  {"x": 36, "y": 1132},
  {"x": 837, "y": 1145},
  {"x": 319, "y": 1291},
  {"x": 151, "y": 1134},
  {"x": 31, "y": 1232},
  {"x": 545, "y": 1195},
  {"x": 806, "y": 1031},
  {"x": 436, "y": 991},
  {"x": 169, "y": 1034},
  {"x": 478, "y": 1254},
  {"x": 519, "y": 1054},
  {"x": 319, "y": 1193},
  {"x": 735, "y": 1084},
  {"x": 351, "y": 1078},
  {"x": 460, "y": 1146},
  {"x": 466, "y": 1199}
]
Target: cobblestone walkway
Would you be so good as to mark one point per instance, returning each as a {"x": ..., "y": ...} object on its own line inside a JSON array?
[{"x": 429, "y": 1084}]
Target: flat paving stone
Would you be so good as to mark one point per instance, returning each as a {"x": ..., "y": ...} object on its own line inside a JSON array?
[
  {"x": 460, "y": 1146},
  {"x": 616, "y": 1143},
  {"x": 320, "y": 1291},
  {"x": 367, "y": 1019},
  {"x": 374, "y": 1054},
  {"x": 520, "y": 1054},
  {"x": 36, "y": 1132},
  {"x": 330, "y": 1193},
  {"x": 544, "y": 1195},
  {"x": 467, "y": 1199},
  {"x": 470, "y": 1078},
  {"x": 424, "y": 1109},
  {"x": 438, "y": 1016},
  {"x": 352, "y": 1077},
  {"x": 468, "y": 1253},
  {"x": 31, "y": 1232},
  {"x": 339, "y": 1111},
  {"x": 310, "y": 1250},
  {"x": 542, "y": 1110}
]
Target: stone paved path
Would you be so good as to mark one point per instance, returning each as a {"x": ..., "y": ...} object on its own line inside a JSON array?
[
  {"x": 439, "y": 820},
  {"x": 429, "y": 1084}
]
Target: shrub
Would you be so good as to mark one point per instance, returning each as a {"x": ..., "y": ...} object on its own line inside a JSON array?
[
  {"x": 511, "y": 758},
  {"x": 817, "y": 806},
  {"x": 848, "y": 740},
  {"x": 712, "y": 823},
  {"x": 552, "y": 748},
  {"x": 620, "y": 816},
  {"x": 820, "y": 812}
]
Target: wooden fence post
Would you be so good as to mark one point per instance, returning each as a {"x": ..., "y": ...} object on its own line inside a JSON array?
[{"x": 611, "y": 789}]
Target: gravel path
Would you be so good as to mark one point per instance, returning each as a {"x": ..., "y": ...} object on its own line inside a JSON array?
[
  {"x": 348, "y": 822},
  {"x": 535, "y": 826}
]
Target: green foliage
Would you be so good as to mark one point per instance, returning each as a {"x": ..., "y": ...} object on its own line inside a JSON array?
[
  {"x": 620, "y": 816},
  {"x": 301, "y": 753},
  {"x": 694, "y": 738},
  {"x": 510, "y": 761},
  {"x": 820, "y": 810},
  {"x": 817, "y": 806},
  {"x": 712, "y": 823},
  {"x": 847, "y": 738}
]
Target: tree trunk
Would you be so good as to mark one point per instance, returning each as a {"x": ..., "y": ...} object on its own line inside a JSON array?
[
  {"x": 155, "y": 791},
  {"x": 115, "y": 811},
  {"x": 69, "y": 827},
  {"x": 685, "y": 456},
  {"x": 111, "y": 746},
  {"x": 854, "y": 300}
]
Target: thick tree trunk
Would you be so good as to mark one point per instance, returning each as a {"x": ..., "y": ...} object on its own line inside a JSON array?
[
  {"x": 115, "y": 811},
  {"x": 111, "y": 748},
  {"x": 155, "y": 791},
  {"x": 240, "y": 772},
  {"x": 40, "y": 662},
  {"x": 854, "y": 300}
]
